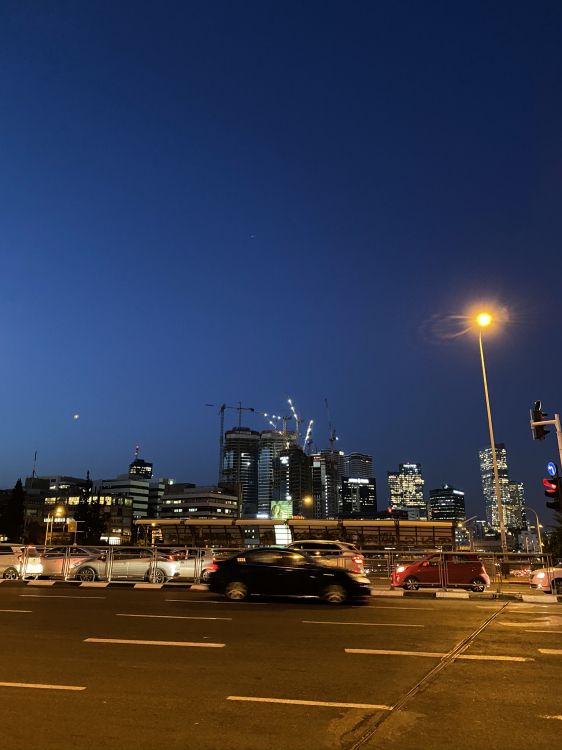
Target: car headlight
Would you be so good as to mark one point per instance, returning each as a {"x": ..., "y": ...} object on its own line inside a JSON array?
[
  {"x": 540, "y": 575},
  {"x": 400, "y": 568}
]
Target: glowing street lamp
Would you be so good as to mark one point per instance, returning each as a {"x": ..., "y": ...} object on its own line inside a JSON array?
[
  {"x": 58, "y": 512},
  {"x": 484, "y": 320}
]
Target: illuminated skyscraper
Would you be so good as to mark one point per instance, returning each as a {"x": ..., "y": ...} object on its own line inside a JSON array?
[
  {"x": 405, "y": 488},
  {"x": 512, "y": 493},
  {"x": 446, "y": 504}
]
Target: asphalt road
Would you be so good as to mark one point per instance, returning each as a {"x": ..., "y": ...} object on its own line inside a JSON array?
[{"x": 188, "y": 670}]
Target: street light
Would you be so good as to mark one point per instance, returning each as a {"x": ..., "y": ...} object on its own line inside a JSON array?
[
  {"x": 539, "y": 526},
  {"x": 484, "y": 320},
  {"x": 57, "y": 513}
]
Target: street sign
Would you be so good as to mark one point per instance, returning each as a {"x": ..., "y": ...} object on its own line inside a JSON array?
[{"x": 552, "y": 469}]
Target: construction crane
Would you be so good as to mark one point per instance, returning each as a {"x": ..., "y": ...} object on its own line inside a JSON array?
[
  {"x": 308, "y": 437},
  {"x": 297, "y": 419},
  {"x": 331, "y": 430},
  {"x": 222, "y": 409}
]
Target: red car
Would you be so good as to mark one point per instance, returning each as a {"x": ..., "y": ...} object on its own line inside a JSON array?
[{"x": 442, "y": 570}]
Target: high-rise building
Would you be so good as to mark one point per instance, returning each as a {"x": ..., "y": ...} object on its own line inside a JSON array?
[
  {"x": 359, "y": 497},
  {"x": 512, "y": 493},
  {"x": 327, "y": 471},
  {"x": 272, "y": 443},
  {"x": 292, "y": 484},
  {"x": 240, "y": 467},
  {"x": 514, "y": 509},
  {"x": 358, "y": 465},
  {"x": 406, "y": 490},
  {"x": 446, "y": 504}
]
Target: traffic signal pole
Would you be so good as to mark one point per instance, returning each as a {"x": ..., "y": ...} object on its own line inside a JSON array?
[{"x": 556, "y": 423}]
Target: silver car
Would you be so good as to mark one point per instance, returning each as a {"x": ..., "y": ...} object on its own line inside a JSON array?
[
  {"x": 17, "y": 561},
  {"x": 333, "y": 553},
  {"x": 63, "y": 561},
  {"x": 130, "y": 563}
]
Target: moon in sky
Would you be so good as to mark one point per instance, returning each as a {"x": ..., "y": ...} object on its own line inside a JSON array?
[{"x": 76, "y": 416}]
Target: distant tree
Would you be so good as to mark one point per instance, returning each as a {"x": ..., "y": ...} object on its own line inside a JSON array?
[
  {"x": 34, "y": 532},
  {"x": 553, "y": 543},
  {"x": 13, "y": 515},
  {"x": 91, "y": 520}
]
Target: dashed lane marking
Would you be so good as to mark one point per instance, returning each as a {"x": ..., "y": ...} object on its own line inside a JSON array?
[
  {"x": 558, "y": 717},
  {"x": 39, "y": 686},
  {"x": 542, "y": 631},
  {"x": 388, "y": 606},
  {"x": 187, "y": 644},
  {"x": 436, "y": 655},
  {"x": 15, "y": 610},
  {"x": 173, "y": 617},
  {"x": 294, "y": 702},
  {"x": 551, "y": 651},
  {"x": 59, "y": 596},
  {"x": 369, "y": 624}
]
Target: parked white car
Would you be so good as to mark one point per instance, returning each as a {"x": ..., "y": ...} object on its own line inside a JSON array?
[
  {"x": 63, "y": 561},
  {"x": 548, "y": 580},
  {"x": 17, "y": 561},
  {"x": 334, "y": 553}
]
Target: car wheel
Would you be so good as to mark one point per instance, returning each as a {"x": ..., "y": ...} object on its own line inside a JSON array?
[
  {"x": 86, "y": 574},
  {"x": 411, "y": 583},
  {"x": 236, "y": 591},
  {"x": 159, "y": 576},
  {"x": 334, "y": 594},
  {"x": 477, "y": 584},
  {"x": 11, "y": 574},
  {"x": 555, "y": 586}
]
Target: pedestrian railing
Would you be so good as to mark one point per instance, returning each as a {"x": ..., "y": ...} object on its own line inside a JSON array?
[{"x": 425, "y": 569}]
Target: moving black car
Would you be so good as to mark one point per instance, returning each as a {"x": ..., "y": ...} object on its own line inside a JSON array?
[{"x": 278, "y": 571}]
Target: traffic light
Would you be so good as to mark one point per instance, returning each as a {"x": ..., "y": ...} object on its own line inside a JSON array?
[
  {"x": 553, "y": 490},
  {"x": 538, "y": 415}
]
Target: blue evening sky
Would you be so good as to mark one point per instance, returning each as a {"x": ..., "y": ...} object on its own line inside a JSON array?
[{"x": 222, "y": 201}]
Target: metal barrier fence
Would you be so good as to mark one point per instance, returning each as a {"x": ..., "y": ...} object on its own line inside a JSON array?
[{"x": 477, "y": 571}]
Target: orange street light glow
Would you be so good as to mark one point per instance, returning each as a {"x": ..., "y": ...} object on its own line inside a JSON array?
[{"x": 484, "y": 319}]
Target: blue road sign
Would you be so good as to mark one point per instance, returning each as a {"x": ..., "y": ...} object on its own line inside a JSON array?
[{"x": 552, "y": 469}]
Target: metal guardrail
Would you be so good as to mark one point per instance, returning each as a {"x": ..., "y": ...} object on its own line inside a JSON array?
[{"x": 506, "y": 571}]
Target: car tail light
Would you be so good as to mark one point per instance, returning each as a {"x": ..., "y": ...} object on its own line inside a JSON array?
[
  {"x": 212, "y": 567},
  {"x": 400, "y": 568},
  {"x": 358, "y": 559}
]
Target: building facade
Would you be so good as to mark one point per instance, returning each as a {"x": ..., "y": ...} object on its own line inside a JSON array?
[
  {"x": 447, "y": 504},
  {"x": 359, "y": 497},
  {"x": 358, "y": 465},
  {"x": 292, "y": 484},
  {"x": 405, "y": 488},
  {"x": 186, "y": 500},
  {"x": 272, "y": 443},
  {"x": 240, "y": 467}
]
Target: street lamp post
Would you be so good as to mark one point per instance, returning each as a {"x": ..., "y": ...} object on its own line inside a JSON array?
[
  {"x": 57, "y": 513},
  {"x": 484, "y": 319},
  {"x": 539, "y": 535}
]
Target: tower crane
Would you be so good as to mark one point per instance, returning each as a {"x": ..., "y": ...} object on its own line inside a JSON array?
[{"x": 222, "y": 409}]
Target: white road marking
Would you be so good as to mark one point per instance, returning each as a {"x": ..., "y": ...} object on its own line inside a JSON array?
[
  {"x": 192, "y": 644},
  {"x": 371, "y": 624},
  {"x": 39, "y": 686},
  {"x": 543, "y": 631},
  {"x": 558, "y": 717},
  {"x": 385, "y": 652},
  {"x": 404, "y": 609},
  {"x": 553, "y": 651},
  {"x": 435, "y": 655},
  {"x": 59, "y": 596},
  {"x": 292, "y": 702},
  {"x": 172, "y": 617},
  {"x": 15, "y": 610},
  {"x": 211, "y": 601}
]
